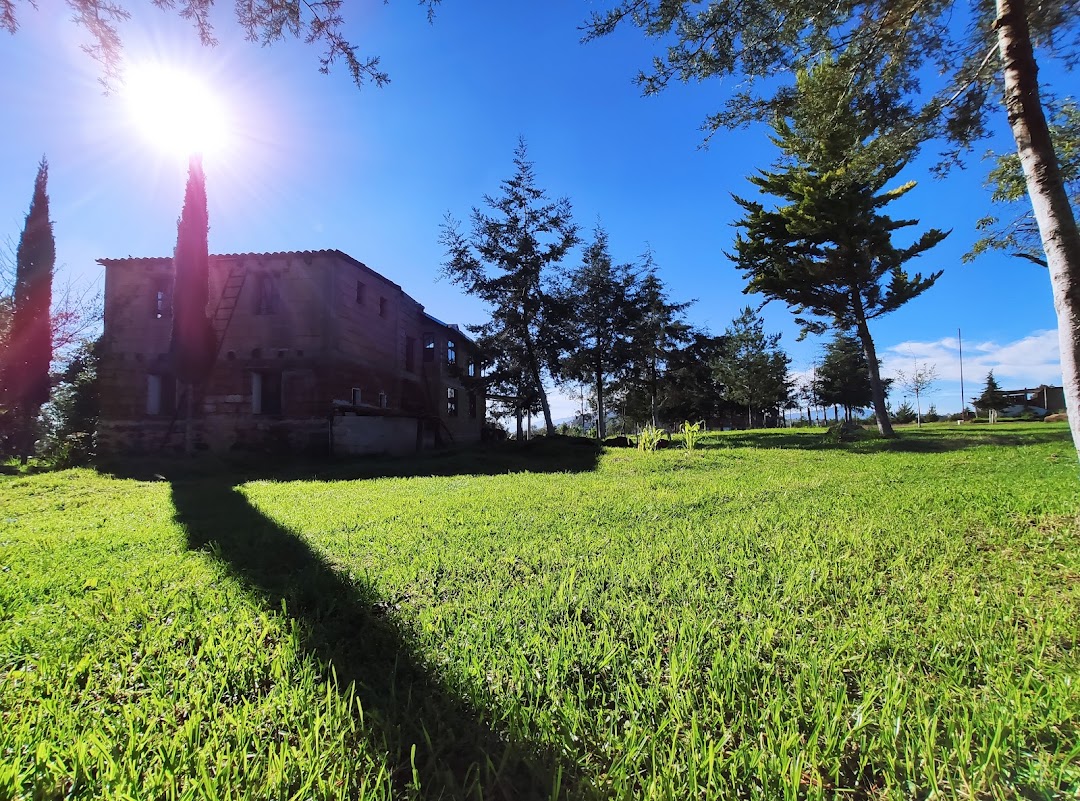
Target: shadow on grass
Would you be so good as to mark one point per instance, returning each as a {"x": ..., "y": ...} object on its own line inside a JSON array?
[
  {"x": 541, "y": 455},
  {"x": 459, "y": 753},
  {"x": 906, "y": 441}
]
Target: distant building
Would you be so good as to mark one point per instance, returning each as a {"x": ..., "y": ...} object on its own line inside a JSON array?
[
  {"x": 1041, "y": 400},
  {"x": 317, "y": 353}
]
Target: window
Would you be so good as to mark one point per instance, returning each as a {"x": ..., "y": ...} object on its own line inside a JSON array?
[
  {"x": 356, "y": 396},
  {"x": 410, "y": 354},
  {"x": 266, "y": 392},
  {"x": 384, "y": 401},
  {"x": 266, "y": 294},
  {"x": 160, "y": 394},
  {"x": 382, "y": 307},
  {"x": 451, "y": 352},
  {"x": 360, "y": 292},
  {"x": 472, "y": 405},
  {"x": 160, "y": 306},
  {"x": 451, "y": 402},
  {"x": 429, "y": 347},
  {"x": 472, "y": 368}
]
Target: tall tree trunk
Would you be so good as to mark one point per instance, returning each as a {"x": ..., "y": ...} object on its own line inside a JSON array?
[
  {"x": 877, "y": 389},
  {"x": 601, "y": 422},
  {"x": 534, "y": 372},
  {"x": 1049, "y": 201}
]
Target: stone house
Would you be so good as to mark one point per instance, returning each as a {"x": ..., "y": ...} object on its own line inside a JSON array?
[{"x": 317, "y": 353}]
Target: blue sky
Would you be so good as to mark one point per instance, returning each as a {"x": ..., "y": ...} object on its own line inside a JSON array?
[{"x": 316, "y": 163}]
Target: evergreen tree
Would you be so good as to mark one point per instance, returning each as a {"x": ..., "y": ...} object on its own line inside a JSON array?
[
  {"x": 991, "y": 398},
  {"x": 753, "y": 369},
  {"x": 689, "y": 390},
  {"x": 843, "y": 378},
  {"x": 657, "y": 332},
  {"x": 193, "y": 345},
  {"x": 599, "y": 297},
  {"x": 28, "y": 348},
  {"x": 827, "y": 250},
  {"x": 508, "y": 261}
]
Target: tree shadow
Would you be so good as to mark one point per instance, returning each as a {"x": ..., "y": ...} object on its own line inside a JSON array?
[
  {"x": 542, "y": 455},
  {"x": 866, "y": 442},
  {"x": 410, "y": 713}
]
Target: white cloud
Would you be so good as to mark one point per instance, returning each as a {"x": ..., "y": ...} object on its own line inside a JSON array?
[{"x": 1025, "y": 362}]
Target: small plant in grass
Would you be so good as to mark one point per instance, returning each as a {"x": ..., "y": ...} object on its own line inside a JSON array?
[
  {"x": 649, "y": 438},
  {"x": 691, "y": 433}
]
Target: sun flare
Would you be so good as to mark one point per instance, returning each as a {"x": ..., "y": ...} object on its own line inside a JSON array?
[{"x": 175, "y": 110}]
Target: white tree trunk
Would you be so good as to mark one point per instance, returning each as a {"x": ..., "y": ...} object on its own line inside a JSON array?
[{"x": 1049, "y": 201}]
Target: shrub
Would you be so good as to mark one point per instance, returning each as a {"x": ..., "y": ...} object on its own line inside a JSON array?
[
  {"x": 691, "y": 432},
  {"x": 904, "y": 413},
  {"x": 70, "y": 417},
  {"x": 649, "y": 438}
]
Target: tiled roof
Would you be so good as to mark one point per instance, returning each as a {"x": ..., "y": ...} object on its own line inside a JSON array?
[{"x": 277, "y": 254}]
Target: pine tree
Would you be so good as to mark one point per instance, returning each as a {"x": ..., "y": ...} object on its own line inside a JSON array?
[
  {"x": 28, "y": 348},
  {"x": 991, "y": 398},
  {"x": 599, "y": 296},
  {"x": 753, "y": 370},
  {"x": 508, "y": 261},
  {"x": 843, "y": 378},
  {"x": 193, "y": 345},
  {"x": 827, "y": 250},
  {"x": 658, "y": 330}
]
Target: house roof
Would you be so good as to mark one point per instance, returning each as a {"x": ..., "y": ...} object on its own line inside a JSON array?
[{"x": 149, "y": 260}]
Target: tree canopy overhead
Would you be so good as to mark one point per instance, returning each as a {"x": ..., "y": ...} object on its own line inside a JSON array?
[
  {"x": 316, "y": 22},
  {"x": 887, "y": 44}
]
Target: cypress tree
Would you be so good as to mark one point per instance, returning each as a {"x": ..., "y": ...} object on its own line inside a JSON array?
[
  {"x": 29, "y": 342},
  {"x": 193, "y": 344}
]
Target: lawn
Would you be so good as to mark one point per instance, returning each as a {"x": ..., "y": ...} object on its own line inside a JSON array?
[{"x": 773, "y": 615}]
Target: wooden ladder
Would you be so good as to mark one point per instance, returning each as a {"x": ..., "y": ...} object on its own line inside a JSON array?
[{"x": 230, "y": 297}]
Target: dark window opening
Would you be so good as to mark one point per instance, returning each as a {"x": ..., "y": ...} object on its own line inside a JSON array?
[
  {"x": 266, "y": 295},
  {"x": 266, "y": 393},
  {"x": 410, "y": 353},
  {"x": 472, "y": 405},
  {"x": 160, "y": 394},
  {"x": 429, "y": 347},
  {"x": 360, "y": 292},
  {"x": 382, "y": 307},
  {"x": 451, "y": 402},
  {"x": 451, "y": 352},
  {"x": 356, "y": 396}
]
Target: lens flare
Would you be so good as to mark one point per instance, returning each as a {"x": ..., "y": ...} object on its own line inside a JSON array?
[{"x": 175, "y": 110}]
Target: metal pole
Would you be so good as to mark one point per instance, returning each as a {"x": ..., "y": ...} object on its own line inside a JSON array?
[{"x": 963, "y": 403}]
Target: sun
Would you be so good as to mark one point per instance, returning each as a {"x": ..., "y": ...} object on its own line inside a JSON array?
[{"x": 175, "y": 110}]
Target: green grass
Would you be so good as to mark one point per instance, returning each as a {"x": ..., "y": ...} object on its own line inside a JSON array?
[{"x": 772, "y": 615}]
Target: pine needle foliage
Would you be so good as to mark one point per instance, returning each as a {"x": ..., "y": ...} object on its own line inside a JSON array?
[
  {"x": 826, "y": 249},
  {"x": 509, "y": 261}
]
